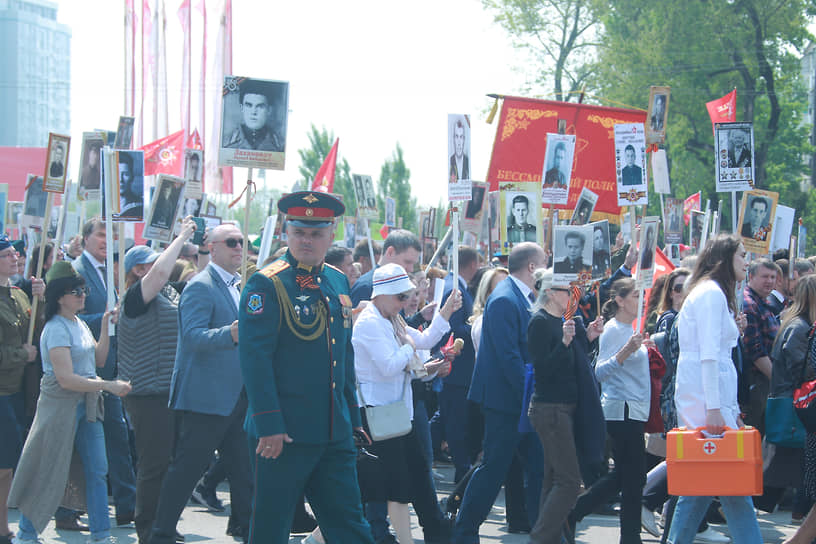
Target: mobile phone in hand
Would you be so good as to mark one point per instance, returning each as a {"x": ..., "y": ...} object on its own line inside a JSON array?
[{"x": 198, "y": 236}]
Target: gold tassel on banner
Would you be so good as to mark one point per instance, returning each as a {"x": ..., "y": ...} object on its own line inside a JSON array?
[{"x": 494, "y": 109}]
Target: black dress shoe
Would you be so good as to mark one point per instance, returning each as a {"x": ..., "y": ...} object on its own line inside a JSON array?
[
  {"x": 125, "y": 519},
  {"x": 518, "y": 529},
  {"x": 72, "y": 524},
  {"x": 237, "y": 531}
]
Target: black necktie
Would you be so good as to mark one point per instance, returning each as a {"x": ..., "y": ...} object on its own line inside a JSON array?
[{"x": 532, "y": 297}]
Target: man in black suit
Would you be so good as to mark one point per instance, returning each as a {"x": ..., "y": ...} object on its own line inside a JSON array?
[
  {"x": 57, "y": 168},
  {"x": 459, "y": 167},
  {"x": 165, "y": 212},
  {"x": 574, "y": 262},
  {"x": 739, "y": 151},
  {"x": 554, "y": 176},
  {"x": 632, "y": 174},
  {"x": 600, "y": 253},
  {"x": 752, "y": 225},
  {"x": 658, "y": 112}
]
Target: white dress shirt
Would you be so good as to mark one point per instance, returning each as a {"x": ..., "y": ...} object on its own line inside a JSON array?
[
  {"x": 626, "y": 384},
  {"x": 524, "y": 288},
  {"x": 706, "y": 377},
  {"x": 97, "y": 266},
  {"x": 231, "y": 280},
  {"x": 380, "y": 361}
]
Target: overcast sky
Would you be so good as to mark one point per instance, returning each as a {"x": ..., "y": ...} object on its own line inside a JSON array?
[{"x": 374, "y": 72}]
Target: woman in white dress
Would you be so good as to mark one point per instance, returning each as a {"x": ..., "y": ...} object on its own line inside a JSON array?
[{"x": 706, "y": 387}]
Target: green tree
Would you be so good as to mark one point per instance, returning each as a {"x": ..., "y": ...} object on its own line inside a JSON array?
[
  {"x": 560, "y": 35},
  {"x": 321, "y": 142},
  {"x": 395, "y": 182}
]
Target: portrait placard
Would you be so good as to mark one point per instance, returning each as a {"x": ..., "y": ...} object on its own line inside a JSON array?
[
  {"x": 193, "y": 168},
  {"x": 90, "y": 170},
  {"x": 34, "y": 203},
  {"x": 555, "y": 176},
  {"x": 520, "y": 214},
  {"x": 130, "y": 166},
  {"x": 164, "y": 208},
  {"x": 584, "y": 207},
  {"x": 660, "y": 172},
  {"x": 646, "y": 254},
  {"x": 459, "y": 186},
  {"x": 475, "y": 208},
  {"x": 696, "y": 223},
  {"x": 390, "y": 212},
  {"x": 191, "y": 206},
  {"x": 657, "y": 114},
  {"x": 601, "y": 252},
  {"x": 350, "y": 231},
  {"x": 366, "y": 197},
  {"x": 494, "y": 221},
  {"x": 14, "y": 210},
  {"x": 124, "y": 132},
  {"x": 756, "y": 220},
  {"x": 572, "y": 254},
  {"x": 56, "y": 162},
  {"x": 735, "y": 156},
  {"x": 630, "y": 164},
  {"x": 783, "y": 227},
  {"x": 673, "y": 222},
  {"x": 253, "y": 123}
]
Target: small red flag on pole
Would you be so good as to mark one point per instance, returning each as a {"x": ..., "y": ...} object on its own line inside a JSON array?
[
  {"x": 723, "y": 110},
  {"x": 324, "y": 180}
]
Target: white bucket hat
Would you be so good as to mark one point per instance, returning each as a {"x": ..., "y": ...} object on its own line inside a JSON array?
[{"x": 391, "y": 279}]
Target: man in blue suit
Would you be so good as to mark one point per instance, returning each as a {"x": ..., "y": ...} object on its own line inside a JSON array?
[
  {"x": 498, "y": 386},
  {"x": 453, "y": 397},
  {"x": 91, "y": 266},
  {"x": 207, "y": 391},
  {"x": 401, "y": 247}
]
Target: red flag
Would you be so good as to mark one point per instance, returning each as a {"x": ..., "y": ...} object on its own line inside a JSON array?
[
  {"x": 384, "y": 231},
  {"x": 164, "y": 156},
  {"x": 194, "y": 141},
  {"x": 691, "y": 203},
  {"x": 723, "y": 110},
  {"x": 324, "y": 179}
]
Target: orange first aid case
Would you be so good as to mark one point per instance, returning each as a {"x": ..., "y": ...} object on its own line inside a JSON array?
[{"x": 730, "y": 465}]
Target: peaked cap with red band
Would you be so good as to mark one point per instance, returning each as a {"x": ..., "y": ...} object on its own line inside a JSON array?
[{"x": 311, "y": 209}]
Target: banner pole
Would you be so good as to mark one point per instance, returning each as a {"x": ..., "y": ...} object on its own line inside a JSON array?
[
  {"x": 455, "y": 248},
  {"x": 246, "y": 229},
  {"x": 40, "y": 259},
  {"x": 734, "y": 212}
]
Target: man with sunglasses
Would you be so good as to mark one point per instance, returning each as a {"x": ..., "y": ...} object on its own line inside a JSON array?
[
  {"x": 298, "y": 367},
  {"x": 207, "y": 391}
]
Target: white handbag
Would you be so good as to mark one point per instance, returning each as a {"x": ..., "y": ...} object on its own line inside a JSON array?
[{"x": 388, "y": 420}]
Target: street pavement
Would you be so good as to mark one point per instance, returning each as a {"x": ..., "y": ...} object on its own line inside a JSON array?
[{"x": 198, "y": 525}]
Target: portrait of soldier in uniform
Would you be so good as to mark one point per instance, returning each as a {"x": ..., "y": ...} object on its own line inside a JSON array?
[
  {"x": 521, "y": 225},
  {"x": 258, "y": 130}
]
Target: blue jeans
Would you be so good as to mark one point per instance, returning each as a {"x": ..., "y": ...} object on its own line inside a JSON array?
[
  {"x": 501, "y": 441},
  {"x": 117, "y": 446},
  {"x": 89, "y": 442},
  {"x": 739, "y": 513}
]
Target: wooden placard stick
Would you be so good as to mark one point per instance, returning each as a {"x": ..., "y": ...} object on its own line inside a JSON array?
[{"x": 40, "y": 259}]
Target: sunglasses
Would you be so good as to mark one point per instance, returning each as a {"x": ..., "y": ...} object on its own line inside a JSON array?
[
  {"x": 402, "y": 297},
  {"x": 560, "y": 289},
  {"x": 232, "y": 243},
  {"x": 677, "y": 288},
  {"x": 78, "y": 291}
]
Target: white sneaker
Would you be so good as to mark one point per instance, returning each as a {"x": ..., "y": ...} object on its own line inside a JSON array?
[
  {"x": 647, "y": 520},
  {"x": 710, "y": 536}
]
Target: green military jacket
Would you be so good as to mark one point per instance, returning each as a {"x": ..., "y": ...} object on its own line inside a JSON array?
[
  {"x": 294, "y": 341},
  {"x": 15, "y": 312}
]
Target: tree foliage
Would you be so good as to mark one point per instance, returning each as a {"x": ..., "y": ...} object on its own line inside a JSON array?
[
  {"x": 311, "y": 159},
  {"x": 395, "y": 182}
]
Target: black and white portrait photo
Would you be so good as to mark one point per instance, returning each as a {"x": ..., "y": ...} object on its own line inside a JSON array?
[
  {"x": 458, "y": 147},
  {"x": 193, "y": 164},
  {"x": 390, "y": 212},
  {"x": 601, "y": 258},
  {"x": 557, "y": 168},
  {"x": 349, "y": 231},
  {"x": 584, "y": 207},
  {"x": 696, "y": 228},
  {"x": 124, "y": 132},
  {"x": 164, "y": 207},
  {"x": 366, "y": 197},
  {"x": 572, "y": 251},
  {"x": 757, "y": 215},
  {"x": 35, "y": 197},
  {"x": 254, "y": 123},
  {"x": 131, "y": 185},
  {"x": 521, "y": 213},
  {"x": 56, "y": 168},
  {"x": 673, "y": 226},
  {"x": 90, "y": 169},
  {"x": 648, "y": 248},
  {"x": 735, "y": 156},
  {"x": 630, "y": 164},
  {"x": 474, "y": 215},
  {"x": 191, "y": 206},
  {"x": 13, "y": 212}
]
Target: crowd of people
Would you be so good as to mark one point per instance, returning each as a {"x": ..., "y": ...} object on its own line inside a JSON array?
[{"x": 331, "y": 379}]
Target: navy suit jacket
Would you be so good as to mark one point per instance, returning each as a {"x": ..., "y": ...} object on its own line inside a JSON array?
[
  {"x": 207, "y": 375},
  {"x": 362, "y": 288},
  {"x": 462, "y": 369},
  {"x": 95, "y": 304},
  {"x": 498, "y": 376}
]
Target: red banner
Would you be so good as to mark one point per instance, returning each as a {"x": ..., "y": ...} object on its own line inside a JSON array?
[
  {"x": 324, "y": 179},
  {"x": 691, "y": 203},
  {"x": 164, "y": 156},
  {"x": 521, "y": 139},
  {"x": 723, "y": 110}
]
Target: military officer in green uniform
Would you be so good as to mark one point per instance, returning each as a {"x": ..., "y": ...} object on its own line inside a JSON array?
[{"x": 294, "y": 329}]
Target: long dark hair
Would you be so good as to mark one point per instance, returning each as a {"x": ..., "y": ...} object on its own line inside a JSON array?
[
  {"x": 621, "y": 288},
  {"x": 666, "y": 295},
  {"x": 716, "y": 262},
  {"x": 55, "y": 289}
]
